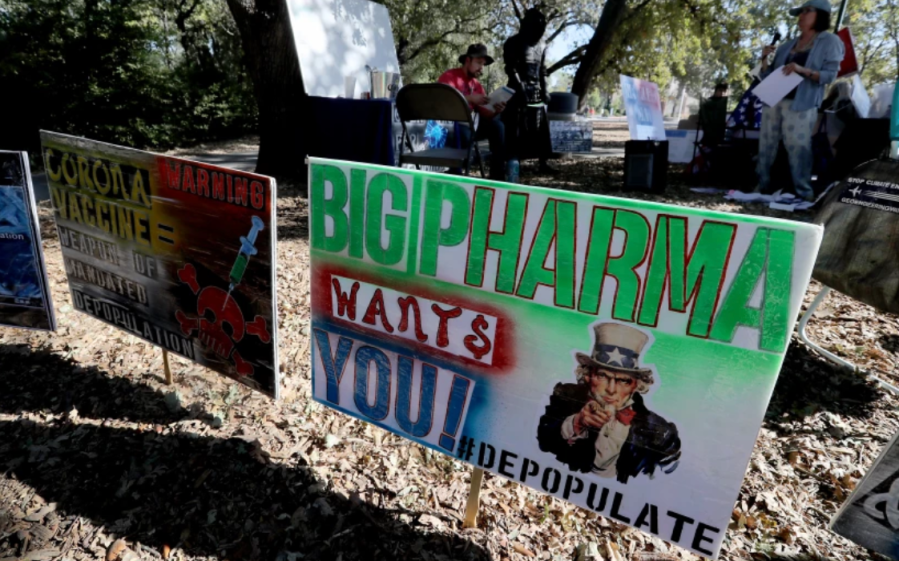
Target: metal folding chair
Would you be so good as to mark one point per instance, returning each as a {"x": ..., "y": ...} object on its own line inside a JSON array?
[
  {"x": 803, "y": 324},
  {"x": 438, "y": 102}
]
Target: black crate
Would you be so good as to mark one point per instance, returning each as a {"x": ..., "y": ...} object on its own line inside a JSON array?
[{"x": 646, "y": 165}]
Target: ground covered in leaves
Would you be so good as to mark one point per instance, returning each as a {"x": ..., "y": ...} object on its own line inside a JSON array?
[{"x": 100, "y": 459}]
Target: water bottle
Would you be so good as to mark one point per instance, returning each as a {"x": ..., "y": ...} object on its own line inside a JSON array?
[
  {"x": 512, "y": 171},
  {"x": 894, "y": 124}
]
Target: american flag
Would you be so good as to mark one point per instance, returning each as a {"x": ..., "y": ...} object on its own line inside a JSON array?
[{"x": 748, "y": 114}]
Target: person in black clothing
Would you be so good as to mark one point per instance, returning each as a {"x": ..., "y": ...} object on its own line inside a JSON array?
[
  {"x": 713, "y": 117},
  {"x": 527, "y": 129},
  {"x": 601, "y": 424}
]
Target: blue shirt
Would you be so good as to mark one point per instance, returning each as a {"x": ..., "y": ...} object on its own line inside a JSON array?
[
  {"x": 800, "y": 59},
  {"x": 824, "y": 57}
]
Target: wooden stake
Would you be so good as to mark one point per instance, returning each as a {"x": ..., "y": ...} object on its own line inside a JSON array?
[
  {"x": 165, "y": 363},
  {"x": 474, "y": 499}
]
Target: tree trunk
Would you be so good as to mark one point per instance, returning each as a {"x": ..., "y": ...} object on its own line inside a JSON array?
[
  {"x": 271, "y": 59},
  {"x": 681, "y": 99},
  {"x": 612, "y": 12}
]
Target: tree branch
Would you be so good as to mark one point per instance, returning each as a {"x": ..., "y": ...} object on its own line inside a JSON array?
[
  {"x": 562, "y": 28},
  {"x": 572, "y": 58},
  {"x": 434, "y": 41},
  {"x": 190, "y": 11},
  {"x": 635, "y": 10},
  {"x": 868, "y": 50},
  {"x": 517, "y": 11}
]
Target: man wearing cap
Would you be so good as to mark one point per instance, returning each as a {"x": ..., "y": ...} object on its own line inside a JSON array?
[
  {"x": 601, "y": 424},
  {"x": 465, "y": 79},
  {"x": 815, "y": 55}
]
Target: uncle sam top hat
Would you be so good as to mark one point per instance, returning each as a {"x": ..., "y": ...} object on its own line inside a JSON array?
[{"x": 618, "y": 347}]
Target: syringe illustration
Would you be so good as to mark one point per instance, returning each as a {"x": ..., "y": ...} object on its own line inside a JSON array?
[{"x": 247, "y": 250}]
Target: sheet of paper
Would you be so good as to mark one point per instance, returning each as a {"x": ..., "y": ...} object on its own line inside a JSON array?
[
  {"x": 776, "y": 86},
  {"x": 860, "y": 98},
  {"x": 881, "y": 102},
  {"x": 782, "y": 206},
  {"x": 805, "y": 205},
  {"x": 743, "y": 197},
  {"x": 777, "y": 200}
]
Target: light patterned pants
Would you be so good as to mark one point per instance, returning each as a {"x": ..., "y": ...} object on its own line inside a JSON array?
[{"x": 796, "y": 129}]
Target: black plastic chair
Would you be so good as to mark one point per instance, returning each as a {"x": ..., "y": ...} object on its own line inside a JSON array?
[{"x": 437, "y": 102}]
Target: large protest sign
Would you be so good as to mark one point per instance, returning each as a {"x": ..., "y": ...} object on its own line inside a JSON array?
[
  {"x": 175, "y": 252},
  {"x": 870, "y": 517},
  {"x": 644, "y": 109},
  {"x": 340, "y": 40},
  {"x": 24, "y": 289},
  {"x": 615, "y": 353}
]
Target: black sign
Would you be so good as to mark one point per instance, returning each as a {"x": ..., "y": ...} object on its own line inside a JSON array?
[
  {"x": 571, "y": 136},
  {"x": 870, "y": 517},
  {"x": 871, "y": 193}
]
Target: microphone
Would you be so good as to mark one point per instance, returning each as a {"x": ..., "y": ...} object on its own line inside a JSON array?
[{"x": 758, "y": 67}]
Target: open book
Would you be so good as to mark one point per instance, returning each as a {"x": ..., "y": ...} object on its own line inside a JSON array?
[{"x": 500, "y": 95}]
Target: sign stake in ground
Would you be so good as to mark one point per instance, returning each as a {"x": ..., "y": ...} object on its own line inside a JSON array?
[
  {"x": 168, "y": 371},
  {"x": 474, "y": 499}
]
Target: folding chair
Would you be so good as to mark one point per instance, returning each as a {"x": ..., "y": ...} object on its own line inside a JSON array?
[{"x": 438, "y": 102}]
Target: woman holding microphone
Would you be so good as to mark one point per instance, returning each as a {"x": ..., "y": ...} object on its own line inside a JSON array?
[{"x": 815, "y": 55}]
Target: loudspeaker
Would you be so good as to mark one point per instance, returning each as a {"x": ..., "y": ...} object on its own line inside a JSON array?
[{"x": 646, "y": 165}]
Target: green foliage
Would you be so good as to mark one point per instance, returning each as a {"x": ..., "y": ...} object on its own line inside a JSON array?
[
  {"x": 144, "y": 73},
  {"x": 431, "y": 34},
  {"x": 875, "y": 28},
  {"x": 563, "y": 82},
  {"x": 594, "y": 99},
  {"x": 701, "y": 42},
  {"x": 696, "y": 42},
  {"x": 160, "y": 73}
]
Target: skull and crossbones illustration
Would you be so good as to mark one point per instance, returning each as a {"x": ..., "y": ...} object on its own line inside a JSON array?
[{"x": 224, "y": 310}]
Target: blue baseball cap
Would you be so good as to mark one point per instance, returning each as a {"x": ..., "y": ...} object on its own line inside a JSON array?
[{"x": 820, "y": 5}]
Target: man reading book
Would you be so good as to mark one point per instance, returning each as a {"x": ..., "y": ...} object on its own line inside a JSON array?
[{"x": 465, "y": 79}]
